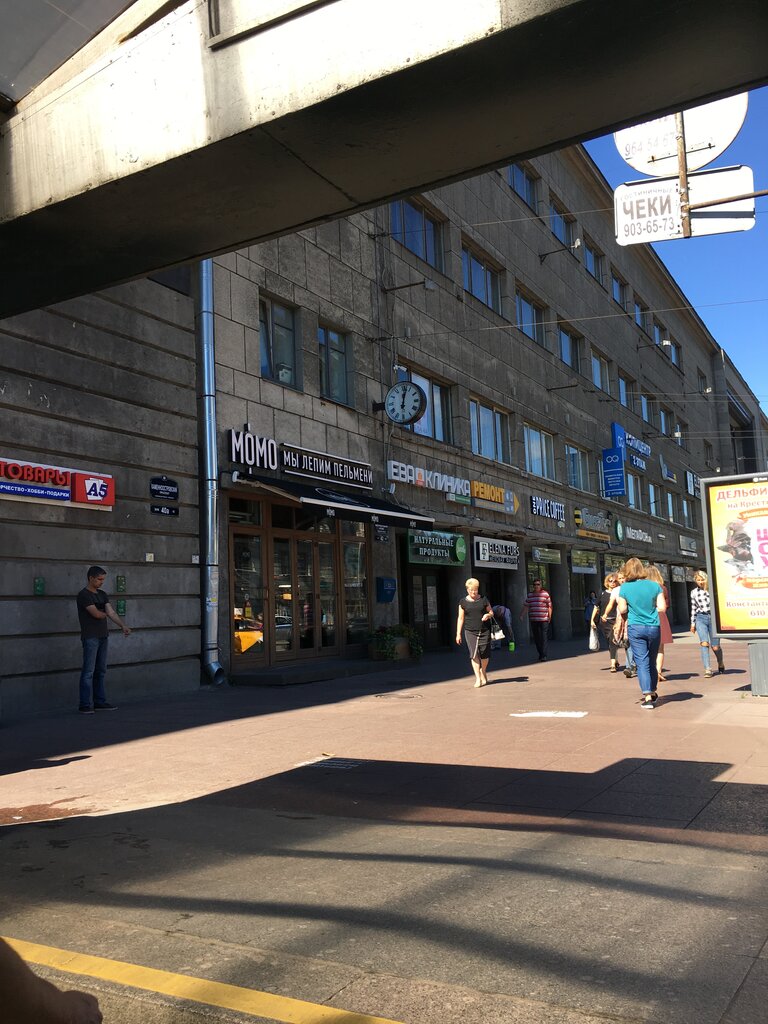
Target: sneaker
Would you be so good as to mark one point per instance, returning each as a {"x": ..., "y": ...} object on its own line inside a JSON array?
[
  {"x": 627, "y": 672},
  {"x": 85, "y": 709},
  {"x": 105, "y": 707},
  {"x": 648, "y": 701},
  {"x": 708, "y": 673}
]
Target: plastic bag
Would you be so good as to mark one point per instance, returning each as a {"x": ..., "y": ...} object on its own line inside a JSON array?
[{"x": 594, "y": 639}]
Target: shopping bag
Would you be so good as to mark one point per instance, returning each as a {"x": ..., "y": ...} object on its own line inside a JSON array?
[{"x": 594, "y": 639}]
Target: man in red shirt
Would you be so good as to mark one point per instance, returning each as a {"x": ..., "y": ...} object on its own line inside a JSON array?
[{"x": 538, "y": 605}]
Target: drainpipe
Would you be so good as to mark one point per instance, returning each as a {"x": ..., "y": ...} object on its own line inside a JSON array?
[{"x": 209, "y": 476}]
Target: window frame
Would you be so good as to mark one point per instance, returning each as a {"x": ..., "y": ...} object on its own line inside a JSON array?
[
  {"x": 500, "y": 420},
  {"x": 400, "y": 231},
  {"x": 529, "y": 194},
  {"x": 597, "y": 258},
  {"x": 576, "y": 467},
  {"x": 276, "y": 370},
  {"x": 604, "y": 384},
  {"x": 575, "y": 342},
  {"x": 545, "y": 440},
  {"x": 324, "y": 353},
  {"x": 618, "y": 280},
  {"x": 642, "y": 314},
  {"x": 537, "y": 321},
  {"x": 634, "y": 492},
  {"x": 559, "y": 217},
  {"x": 628, "y": 392},
  {"x": 490, "y": 272},
  {"x": 438, "y": 415}
]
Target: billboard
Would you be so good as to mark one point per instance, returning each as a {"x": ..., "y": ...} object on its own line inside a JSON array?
[{"x": 736, "y": 536}]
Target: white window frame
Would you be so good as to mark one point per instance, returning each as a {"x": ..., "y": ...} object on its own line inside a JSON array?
[
  {"x": 539, "y": 448},
  {"x": 436, "y": 421},
  {"x": 483, "y": 418}
]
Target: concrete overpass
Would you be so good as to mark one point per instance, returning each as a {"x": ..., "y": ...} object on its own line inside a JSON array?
[{"x": 187, "y": 129}]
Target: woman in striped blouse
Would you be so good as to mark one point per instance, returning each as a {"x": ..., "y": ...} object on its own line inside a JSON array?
[{"x": 701, "y": 623}]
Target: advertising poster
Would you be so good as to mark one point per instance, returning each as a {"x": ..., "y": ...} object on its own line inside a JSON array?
[{"x": 736, "y": 518}]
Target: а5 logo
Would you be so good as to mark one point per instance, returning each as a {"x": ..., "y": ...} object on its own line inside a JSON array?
[{"x": 94, "y": 490}]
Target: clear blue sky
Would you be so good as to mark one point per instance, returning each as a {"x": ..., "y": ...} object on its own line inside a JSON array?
[{"x": 723, "y": 276}]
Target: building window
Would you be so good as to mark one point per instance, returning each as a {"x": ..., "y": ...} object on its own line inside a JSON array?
[
  {"x": 481, "y": 279},
  {"x": 675, "y": 354},
  {"x": 523, "y": 183},
  {"x": 647, "y": 409},
  {"x": 570, "y": 349},
  {"x": 436, "y": 421},
  {"x": 689, "y": 514},
  {"x": 530, "y": 318},
  {"x": 665, "y": 421},
  {"x": 333, "y": 364},
  {"x": 654, "y": 500},
  {"x": 577, "y": 467},
  {"x": 419, "y": 232},
  {"x": 634, "y": 492},
  {"x": 539, "y": 452},
  {"x": 681, "y": 434},
  {"x": 709, "y": 454},
  {"x": 600, "y": 376},
  {"x": 659, "y": 333},
  {"x": 704, "y": 387},
  {"x": 490, "y": 431},
  {"x": 671, "y": 510},
  {"x": 561, "y": 225},
  {"x": 627, "y": 392},
  {"x": 277, "y": 337},
  {"x": 593, "y": 261},
  {"x": 619, "y": 290},
  {"x": 642, "y": 314}
]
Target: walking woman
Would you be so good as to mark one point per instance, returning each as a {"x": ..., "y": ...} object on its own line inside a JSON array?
[
  {"x": 701, "y": 623},
  {"x": 607, "y": 622},
  {"x": 652, "y": 572},
  {"x": 640, "y": 602},
  {"x": 475, "y": 618}
]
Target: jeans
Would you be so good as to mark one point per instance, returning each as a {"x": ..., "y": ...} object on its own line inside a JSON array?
[
  {"x": 540, "y": 632},
  {"x": 645, "y": 646},
  {"x": 705, "y": 635},
  {"x": 93, "y": 671}
]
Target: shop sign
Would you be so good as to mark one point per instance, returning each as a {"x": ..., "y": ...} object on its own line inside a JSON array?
[
  {"x": 32, "y": 481},
  {"x": 247, "y": 449},
  {"x": 663, "y": 570},
  {"x": 678, "y": 573},
  {"x": 596, "y": 525},
  {"x": 492, "y": 496},
  {"x": 163, "y": 487},
  {"x": 583, "y": 561},
  {"x": 613, "y": 563},
  {"x": 666, "y": 472},
  {"x": 688, "y": 545},
  {"x": 635, "y": 534},
  {"x": 635, "y": 451},
  {"x": 547, "y": 507},
  {"x": 496, "y": 554},
  {"x": 432, "y": 547},
  {"x": 692, "y": 484},
  {"x": 455, "y": 488},
  {"x": 164, "y": 510},
  {"x": 614, "y": 484},
  {"x": 549, "y": 555},
  {"x": 381, "y": 533},
  {"x": 322, "y": 466}
]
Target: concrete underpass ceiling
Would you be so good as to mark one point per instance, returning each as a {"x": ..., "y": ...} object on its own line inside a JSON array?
[
  {"x": 547, "y": 73},
  {"x": 38, "y": 36}
]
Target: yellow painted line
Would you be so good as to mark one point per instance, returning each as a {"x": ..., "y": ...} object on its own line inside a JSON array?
[{"x": 198, "y": 990}]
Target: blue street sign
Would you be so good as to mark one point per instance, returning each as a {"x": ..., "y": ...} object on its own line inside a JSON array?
[{"x": 613, "y": 472}]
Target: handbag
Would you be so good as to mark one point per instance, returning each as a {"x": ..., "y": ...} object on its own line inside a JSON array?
[
  {"x": 594, "y": 640},
  {"x": 497, "y": 633}
]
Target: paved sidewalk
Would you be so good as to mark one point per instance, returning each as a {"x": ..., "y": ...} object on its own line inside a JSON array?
[{"x": 406, "y": 845}]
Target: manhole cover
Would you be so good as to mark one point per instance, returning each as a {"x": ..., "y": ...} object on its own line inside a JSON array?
[
  {"x": 398, "y": 696},
  {"x": 339, "y": 763}
]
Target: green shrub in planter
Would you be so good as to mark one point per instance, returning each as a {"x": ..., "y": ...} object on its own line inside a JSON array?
[{"x": 389, "y": 643}]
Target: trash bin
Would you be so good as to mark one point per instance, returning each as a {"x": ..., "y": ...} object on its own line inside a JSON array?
[{"x": 758, "y": 667}]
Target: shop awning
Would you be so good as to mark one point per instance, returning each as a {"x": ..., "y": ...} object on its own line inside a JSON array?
[{"x": 337, "y": 503}]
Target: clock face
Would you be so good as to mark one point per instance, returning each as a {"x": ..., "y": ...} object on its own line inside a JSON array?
[{"x": 405, "y": 402}]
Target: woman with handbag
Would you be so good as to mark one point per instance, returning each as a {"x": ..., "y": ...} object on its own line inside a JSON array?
[
  {"x": 475, "y": 618},
  {"x": 607, "y": 622}
]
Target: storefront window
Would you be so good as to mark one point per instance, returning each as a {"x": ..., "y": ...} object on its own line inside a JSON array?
[
  {"x": 356, "y": 590},
  {"x": 245, "y": 512},
  {"x": 248, "y": 603},
  {"x": 282, "y": 517},
  {"x": 283, "y": 595}
]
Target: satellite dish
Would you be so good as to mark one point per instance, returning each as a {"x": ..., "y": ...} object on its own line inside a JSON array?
[{"x": 651, "y": 148}]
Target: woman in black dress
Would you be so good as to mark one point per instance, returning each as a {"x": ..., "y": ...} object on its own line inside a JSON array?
[
  {"x": 607, "y": 624},
  {"x": 475, "y": 618}
]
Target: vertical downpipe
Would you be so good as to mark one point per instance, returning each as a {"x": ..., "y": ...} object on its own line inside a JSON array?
[{"x": 209, "y": 476}]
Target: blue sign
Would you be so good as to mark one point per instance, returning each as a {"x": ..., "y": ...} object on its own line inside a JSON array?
[
  {"x": 619, "y": 439},
  {"x": 613, "y": 472}
]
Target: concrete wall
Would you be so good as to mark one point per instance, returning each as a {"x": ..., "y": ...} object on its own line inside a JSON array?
[{"x": 101, "y": 383}]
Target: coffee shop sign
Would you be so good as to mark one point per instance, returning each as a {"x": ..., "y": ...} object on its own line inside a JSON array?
[{"x": 547, "y": 507}]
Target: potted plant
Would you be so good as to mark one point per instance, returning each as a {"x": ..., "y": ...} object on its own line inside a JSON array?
[{"x": 394, "y": 643}]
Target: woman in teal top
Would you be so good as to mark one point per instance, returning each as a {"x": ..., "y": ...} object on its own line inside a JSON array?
[{"x": 640, "y": 601}]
